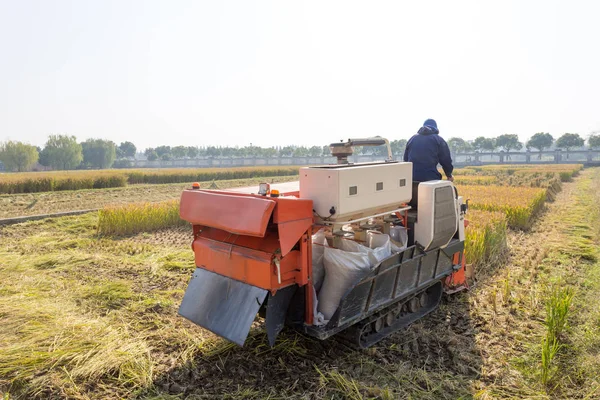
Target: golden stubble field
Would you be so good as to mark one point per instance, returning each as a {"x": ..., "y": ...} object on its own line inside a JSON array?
[{"x": 94, "y": 316}]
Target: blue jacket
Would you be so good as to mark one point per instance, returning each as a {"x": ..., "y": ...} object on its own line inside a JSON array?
[{"x": 426, "y": 150}]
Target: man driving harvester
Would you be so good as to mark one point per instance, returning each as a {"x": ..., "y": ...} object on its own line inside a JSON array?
[{"x": 426, "y": 150}]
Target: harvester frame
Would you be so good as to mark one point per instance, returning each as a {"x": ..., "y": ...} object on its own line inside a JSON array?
[{"x": 254, "y": 256}]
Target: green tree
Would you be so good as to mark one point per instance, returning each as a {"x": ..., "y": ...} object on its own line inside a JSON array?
[
  {"x": 568, "y": 141},
  {"x": 509, "y": 142},
  {"x": 63, "y": 152},
  {"x": 213, "y": 151},
  {"x": 151, "y": 155},
  {"x": 315, "y": 151},
  {"x": 162, "y": 150},
  {"x": 483, "y": 143},
  {"x": 192, "y": 151},
  {"x": 126, "y": 149},
  {"x": 594, "y": 140},
  {"x": 286, "y": 151},
  {"x": 398, "y": 146},
  {"x": 458, "y": 145},
  {"x": 179, "y": 151},
  {"x": 228, "y": 151},
  {"x": 379, "y": 150},
  {"x": 540, "y": 141},
  {"x": 252, "y": 151},
  {"x": 300, "y": 151},
  {"x": 98, "y": 153},
  {"x": 17, "y": 156},
  {"x": 43, "y": 160},
  {"x": 166, "y": 157},
  {"x": 269, "y": 152},
  {"x": 326, "y": 151}
]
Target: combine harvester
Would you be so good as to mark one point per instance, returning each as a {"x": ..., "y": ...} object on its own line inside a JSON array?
[{"x": 348, "y": 250}]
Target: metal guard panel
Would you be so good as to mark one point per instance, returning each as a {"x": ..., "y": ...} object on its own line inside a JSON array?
[
  {"x": 242, "y": 264},
  {"x": 222, "y": 305},
  {"x": 395, "y": 278},
  {"x": 238, "y": 214}
]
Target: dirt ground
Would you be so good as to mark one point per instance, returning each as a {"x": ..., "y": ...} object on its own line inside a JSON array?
[{"x": 109, "y": 326}]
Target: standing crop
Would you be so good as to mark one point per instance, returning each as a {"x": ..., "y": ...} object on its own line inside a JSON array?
[
  {"x": 485, "y": 237},
  {"x": 519, "y": 204},
  {"x": 141, "y": 217}
]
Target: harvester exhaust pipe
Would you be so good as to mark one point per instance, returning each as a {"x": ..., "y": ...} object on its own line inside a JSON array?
[{"x": 344, "y": 149}]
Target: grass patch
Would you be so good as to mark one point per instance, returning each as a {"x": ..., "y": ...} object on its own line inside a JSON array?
[{"x": 557, "y": 308}]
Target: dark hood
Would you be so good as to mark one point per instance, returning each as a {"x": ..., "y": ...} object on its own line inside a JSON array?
[{"x": 427, "y": 130}]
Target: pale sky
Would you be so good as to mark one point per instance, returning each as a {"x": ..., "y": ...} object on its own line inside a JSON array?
[{"x": 295, "y": 72}]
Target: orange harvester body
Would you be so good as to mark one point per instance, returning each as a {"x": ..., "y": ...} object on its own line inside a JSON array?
[
  {"x": 258, "y": 240},
  {"x": 253, "y": 249}
]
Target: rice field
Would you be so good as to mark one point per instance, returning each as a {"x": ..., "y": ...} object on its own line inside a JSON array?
[
  {"x": 475, "y": 180},
  {"x": 519, "y": 204},
  {"x": 88, "y": 306},
  {"x": 518, "y": 194},
  {"x": 485, "y": 237},
  {"x": 140, "y": 217},
  {"x": 24, "y": 204},
  {"x": 34, "y": 182}
]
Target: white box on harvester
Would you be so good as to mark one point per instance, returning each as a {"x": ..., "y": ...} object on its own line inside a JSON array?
[{"x": 356, "y": 190}]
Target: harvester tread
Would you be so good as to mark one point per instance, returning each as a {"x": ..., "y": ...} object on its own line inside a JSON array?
[{"x": 398, "y": 316}]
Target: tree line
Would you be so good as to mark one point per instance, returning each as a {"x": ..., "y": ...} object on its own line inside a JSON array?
[
  {"x": 167, "y": 153},
  {"x": 539, "y": 141},
  {"x": 64, "y": 152}
]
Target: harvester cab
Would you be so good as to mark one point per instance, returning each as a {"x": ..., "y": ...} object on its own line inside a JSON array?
[{"x": 338, "y": 252}]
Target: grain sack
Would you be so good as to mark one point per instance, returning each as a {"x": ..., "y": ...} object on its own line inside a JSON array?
[
  {"x": 319, "y": 242},
  {"x": 399, "y": 238},
  {"x": 380, "y": 246},
  {"x": 343, "y": 269}
]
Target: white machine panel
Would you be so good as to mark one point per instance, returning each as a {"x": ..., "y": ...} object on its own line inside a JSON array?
[
  {"x": 356, "y": 191},
  {"x": 438, "y": 214}
]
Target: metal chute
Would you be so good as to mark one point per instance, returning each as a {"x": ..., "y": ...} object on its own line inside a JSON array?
[{"x": 222, "y": 305}]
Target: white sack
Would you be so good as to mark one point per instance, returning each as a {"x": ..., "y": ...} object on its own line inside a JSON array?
[
  {"x": 399, "y": 238},
  {"x": 319, "y": 242},
  {"x": 318, "y": 318},
  {"x": 380, "y": 245},
  {"x": 343, "y": 269}
]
